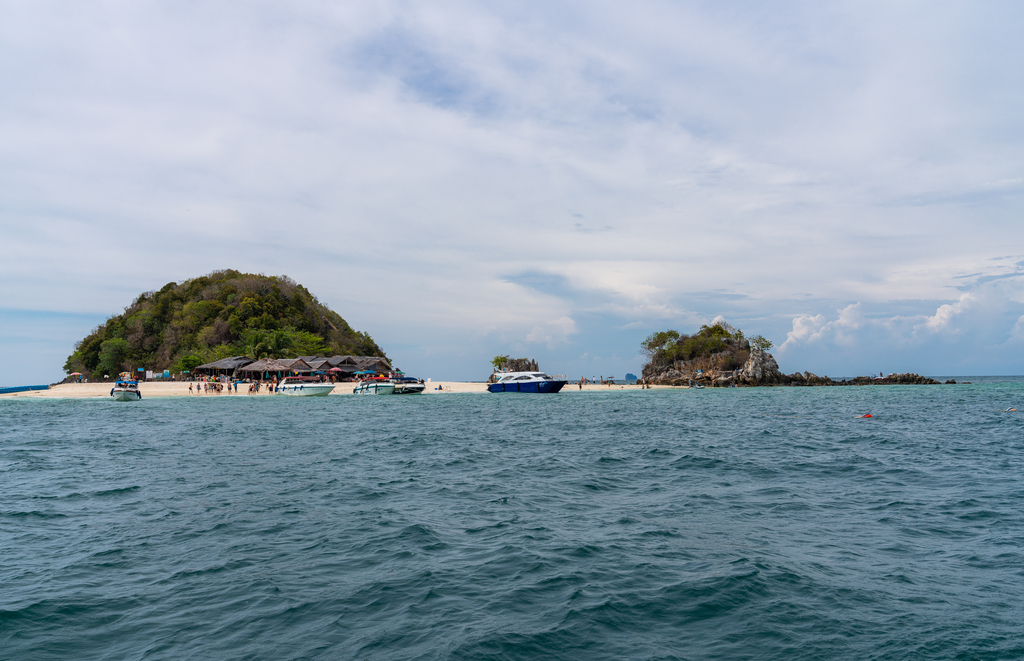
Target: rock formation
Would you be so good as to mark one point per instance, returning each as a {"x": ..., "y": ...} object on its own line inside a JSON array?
[
  {"x": 761, "y": 369},
  {"x": 721, "y": 356},
  {"x": 517, "y": 365},
  {"x": 521, "y": 365}
]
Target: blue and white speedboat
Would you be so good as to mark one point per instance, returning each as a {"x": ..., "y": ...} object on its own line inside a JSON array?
[
  {"x": 525, "y": 382},
  {"x": 126, "y": 389}
]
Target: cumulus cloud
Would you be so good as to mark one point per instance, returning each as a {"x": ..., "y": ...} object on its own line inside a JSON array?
[
  {"x": 946, "y": 316},
  {"x": 1017, "y": 332},
  {"x": 971, "y": 328}
]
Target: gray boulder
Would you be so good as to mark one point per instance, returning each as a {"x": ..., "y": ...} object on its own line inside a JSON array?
[{"x": 760, "y": 369}]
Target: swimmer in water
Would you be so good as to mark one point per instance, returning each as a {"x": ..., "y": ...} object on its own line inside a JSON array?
[
  {"x": 866, "y": 415},
  {"x": 1010, "y": 409}
]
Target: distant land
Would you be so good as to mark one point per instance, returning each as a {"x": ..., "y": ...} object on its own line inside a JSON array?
[
  {"x": 720, "y": 356},
  {"x": 225, "y": 313}
]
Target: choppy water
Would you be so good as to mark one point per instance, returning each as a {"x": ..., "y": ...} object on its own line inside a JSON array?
[{"x": 725, "y": 524}]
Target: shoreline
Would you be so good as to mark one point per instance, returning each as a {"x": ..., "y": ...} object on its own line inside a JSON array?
[{"x": 180, "y": 389}]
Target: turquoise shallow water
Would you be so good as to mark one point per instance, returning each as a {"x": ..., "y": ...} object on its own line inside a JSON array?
[{"x": 715, "y": 524}]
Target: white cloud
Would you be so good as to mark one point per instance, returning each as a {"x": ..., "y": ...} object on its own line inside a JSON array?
[
  {"x": 1017, "y": 332},
  {"x": 947, "y": 315},
  {"x": 807, "y": 329},
  {"x": 851, "y": 327},
  {"x": 671, "y": 162},
  {"x": 553, "y": 332},
  {"x": 972, "y": 328}
]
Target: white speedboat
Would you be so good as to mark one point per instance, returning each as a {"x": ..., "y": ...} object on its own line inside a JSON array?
[
  {"x": 375, "y": 386},
  {"x": 126, "y": 389},
  {"x": 525, "y": 382},
  {"x": 303, "y": 386},
  {"x": 407, "y": 385}
]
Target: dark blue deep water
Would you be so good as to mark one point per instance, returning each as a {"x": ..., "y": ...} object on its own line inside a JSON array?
[{"x": 716, "y": 524}]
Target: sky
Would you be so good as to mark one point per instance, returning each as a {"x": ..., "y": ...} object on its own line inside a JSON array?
[{"x": 554, "y": 180}]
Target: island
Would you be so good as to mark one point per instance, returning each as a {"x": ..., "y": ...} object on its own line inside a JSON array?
[
  {"x": 719, "y": 355},
  {"x": 214, "y": 317}
]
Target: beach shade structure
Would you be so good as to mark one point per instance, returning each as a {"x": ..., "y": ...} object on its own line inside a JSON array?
[
  {"x": 365, "y": 372},
  {"x": 266, "y": 367},
  {"x": 75, "y": 374},
  {"x": 336, "y": 369},
  {"x": 317, "y": 363},
  {"x": 351, "y": 364},
  {"x": 224, "y": 366}
]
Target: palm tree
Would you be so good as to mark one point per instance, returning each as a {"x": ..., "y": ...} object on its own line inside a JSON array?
[{"x": 273, "y": 344}]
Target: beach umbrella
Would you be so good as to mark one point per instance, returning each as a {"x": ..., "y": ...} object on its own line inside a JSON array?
[
  {"x": 75, "y": 374},
  {"x": 336, "y": 369}
]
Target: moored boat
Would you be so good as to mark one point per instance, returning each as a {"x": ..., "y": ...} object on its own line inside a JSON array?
[
  {"x": 303, "y": 386},
  {"x": 538, "y": 382},
  {"x": 126, "y": 389},
  {"x": 375, "y": 386},
  {"x": 407, "y": 385}
]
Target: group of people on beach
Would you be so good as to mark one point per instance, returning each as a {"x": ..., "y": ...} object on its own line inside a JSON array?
[
  {"x": 217, "y": 387},
  {"x": 584, "y": 381}
]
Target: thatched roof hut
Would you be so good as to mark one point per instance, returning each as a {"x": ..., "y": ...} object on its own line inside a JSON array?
[
  {"x": 350, "y": 364},
  {"x": 317, "y": 363},
  {"x": 266, "y": 367},
  {"x": 224, "y": 365},
  {"x": 374, "y": 363}
]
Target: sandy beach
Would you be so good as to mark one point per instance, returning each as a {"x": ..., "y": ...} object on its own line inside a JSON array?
[{"x": 180, "y": 389}]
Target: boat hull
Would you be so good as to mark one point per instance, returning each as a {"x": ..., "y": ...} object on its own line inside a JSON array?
[
  {"x": 409, "y": 388},
  {"x": 125, "y": 395},
  {"x": 374, "y": 389},
  {"x": 527, "y": 386},
  {"x": 306, "y": 389}
]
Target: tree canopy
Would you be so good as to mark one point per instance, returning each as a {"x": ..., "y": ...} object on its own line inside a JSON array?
[
  {"x": 721, "y": 341},
  {"x": 225, "y": 313}
]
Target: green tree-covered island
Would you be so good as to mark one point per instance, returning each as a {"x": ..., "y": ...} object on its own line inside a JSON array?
[
  {"x": 225, "y": 313},
  {"x": 719, "y": 355}
]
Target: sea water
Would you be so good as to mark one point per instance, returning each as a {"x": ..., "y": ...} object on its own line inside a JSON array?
[{"x": 765, "y": 523}]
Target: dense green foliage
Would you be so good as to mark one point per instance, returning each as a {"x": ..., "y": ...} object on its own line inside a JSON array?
[
  {"x": 722, "y": 342},
  {"x": 225, "y": 313}
]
